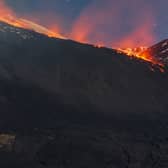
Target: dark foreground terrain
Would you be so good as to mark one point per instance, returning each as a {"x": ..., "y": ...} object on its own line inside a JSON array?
[{"x": 69, "y": 105}]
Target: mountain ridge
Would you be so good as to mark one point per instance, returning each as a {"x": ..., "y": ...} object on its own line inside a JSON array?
[
  {"x": 67, "y": 104},
  {"x": 83, "y": 74}
]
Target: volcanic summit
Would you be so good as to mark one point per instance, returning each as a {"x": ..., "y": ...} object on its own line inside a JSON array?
[
  {"x": 61, "y": 100},
  {"x": 78, "y": 72}
]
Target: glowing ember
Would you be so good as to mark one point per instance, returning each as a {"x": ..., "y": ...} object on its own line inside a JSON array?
[
  {"x": 135, "y": 52},
  {"x": 140, "y": 54},
  {"x": 23, "y": 23}
]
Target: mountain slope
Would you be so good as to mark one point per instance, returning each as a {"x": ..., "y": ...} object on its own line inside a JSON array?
[
  {"x": 65, "y": 104},
  {"x": 83, "y": 75}
]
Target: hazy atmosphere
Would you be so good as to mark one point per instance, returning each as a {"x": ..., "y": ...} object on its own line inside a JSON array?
[
  {"x": 83, "y": 84},
  {"x": 109, "y": 22}
]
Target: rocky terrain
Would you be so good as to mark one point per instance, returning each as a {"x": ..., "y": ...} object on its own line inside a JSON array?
[
  {"x": 66, "y": 104},
  {"x": 160, "y": 51}
]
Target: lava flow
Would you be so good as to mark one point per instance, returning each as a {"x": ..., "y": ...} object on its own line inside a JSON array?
[
  {"x": 26, "y": 24},
  {"x": 23, "y": 23},
  {"x": 7, "y": 15},
  {"x": 140, "y": 53}
]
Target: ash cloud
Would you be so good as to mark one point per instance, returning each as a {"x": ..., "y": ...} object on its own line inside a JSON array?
[{"x": 119, "y": 23}]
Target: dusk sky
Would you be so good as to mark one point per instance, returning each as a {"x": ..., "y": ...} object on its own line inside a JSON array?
[{"x": 106, "y": 19}]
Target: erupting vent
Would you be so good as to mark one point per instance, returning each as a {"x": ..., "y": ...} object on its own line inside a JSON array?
[
  {"x": 141, "y": 53},
  {"x": 8, "y": 16}
]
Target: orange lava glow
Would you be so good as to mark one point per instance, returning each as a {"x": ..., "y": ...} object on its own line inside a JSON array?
[
  {"x": 140, "y": 54},
  {"x": 87, "y": 24},
  {"x": 88, "y": 28},
  {"x": 8, "y": 16}
]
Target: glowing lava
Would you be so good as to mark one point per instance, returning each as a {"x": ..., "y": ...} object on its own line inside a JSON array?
[
  {"x": 86, "y": 26},
  {"x": 141, "y": 53},
  {"x": 7, "y": 15},
  {"x": 26, "y": 24}
]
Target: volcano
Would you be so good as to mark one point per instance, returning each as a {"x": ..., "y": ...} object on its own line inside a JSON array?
[
  {"x": 10, "y": 18},
  {"x": 67, "y": 104}
]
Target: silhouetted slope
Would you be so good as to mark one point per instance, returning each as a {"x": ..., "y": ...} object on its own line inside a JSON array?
[
  {"x": 85, "y": 75},
  {"x": 70, "y": 105},
  {"x": 160, "y": 51}
]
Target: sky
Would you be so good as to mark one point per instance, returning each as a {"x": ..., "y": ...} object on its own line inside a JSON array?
[
  {"x": 109, "y": 21},
  {"x": 67, "y": 10}
]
